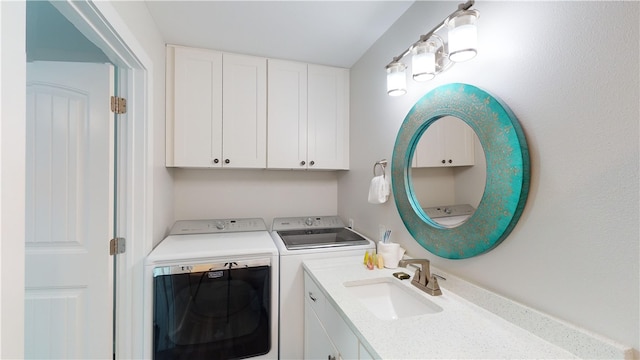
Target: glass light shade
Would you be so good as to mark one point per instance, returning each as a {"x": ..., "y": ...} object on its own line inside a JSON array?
[
  {"x": 463, "y": 36},
  {"x": 396, "y": 79},
  {"x": 423, "y": 61}
]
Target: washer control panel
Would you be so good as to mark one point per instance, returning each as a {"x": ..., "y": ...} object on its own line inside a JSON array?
[
  {"x": 307, "y": 222},
  {"x": 213, "y": 226},
  {"x": 449, "y": 210}
]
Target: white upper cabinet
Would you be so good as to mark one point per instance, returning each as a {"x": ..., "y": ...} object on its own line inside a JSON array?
[
  {"x": 447, "y": 142},
  {"x": 216, "y": 109},
  {"x": 308, "y": 116},
  {"x": 217, "y": 112}
]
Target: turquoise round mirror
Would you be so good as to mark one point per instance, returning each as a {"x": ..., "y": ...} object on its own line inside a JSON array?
[{"x": 507, "y": 171}]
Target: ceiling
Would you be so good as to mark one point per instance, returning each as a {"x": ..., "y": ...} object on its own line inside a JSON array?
[{"x": 335, "y": 33}]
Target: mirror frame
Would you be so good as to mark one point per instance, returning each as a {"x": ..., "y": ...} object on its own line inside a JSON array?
[{"x": 508, "y": 171}]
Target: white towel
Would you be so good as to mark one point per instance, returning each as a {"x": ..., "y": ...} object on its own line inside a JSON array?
[{"x": 378, "y": 190}]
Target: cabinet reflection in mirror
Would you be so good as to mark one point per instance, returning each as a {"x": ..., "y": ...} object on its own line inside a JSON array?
[
  {"x": 420, "y": 191},
  {"x": 448, "y": 171}
]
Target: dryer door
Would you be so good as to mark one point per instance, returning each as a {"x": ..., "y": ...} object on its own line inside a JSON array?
[{"x": 212, "y": 311}]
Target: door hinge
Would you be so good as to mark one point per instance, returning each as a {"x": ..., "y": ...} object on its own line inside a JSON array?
[
  {"x": 117, "y": 246},
  {"x": 118, "y": 105}
]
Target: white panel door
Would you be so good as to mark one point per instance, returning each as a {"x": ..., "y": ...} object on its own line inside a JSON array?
[
  {"x": 460, "y": 142},
  {"x": 430, "y": 149},
  {"x": 328, "y": 117},
  {"x": 287, "y": 115},
  {"x": 317, "y": 344},
  {"x": 69, "y": 211},
  {"x": 244, "y": 111},
  {"x": 197, "y": 114}
]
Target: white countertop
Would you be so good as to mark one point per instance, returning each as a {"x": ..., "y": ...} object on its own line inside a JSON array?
[{"x": 461, "y": 330}]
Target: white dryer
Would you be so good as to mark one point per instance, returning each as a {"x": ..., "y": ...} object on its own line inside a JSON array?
[
  {"x": 299, "y": 239},
  {"x": 212, "y": 290}
]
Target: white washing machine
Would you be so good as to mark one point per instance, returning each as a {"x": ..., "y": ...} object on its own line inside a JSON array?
[
  {"x": 212, "y": 292},
  {"x": 299, "y": 239}
]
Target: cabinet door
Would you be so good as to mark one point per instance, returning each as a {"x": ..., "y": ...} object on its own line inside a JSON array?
[
  {"x": 287, "y": 115},
  {"x": 317, "y": 344},
  {"x": 430, "y": 149},
  {"x": 447, "y": 142},
  {"x": 244, "y": 111},
  {"x": 460, "y": 142},
  {"x": 341, "y": 335},
  {"x": 328, "y": 117},
  {"x": 194, "y": 107}
]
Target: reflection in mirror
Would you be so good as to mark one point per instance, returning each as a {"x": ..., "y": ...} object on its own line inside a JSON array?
[{"x": 448, "y": 171}]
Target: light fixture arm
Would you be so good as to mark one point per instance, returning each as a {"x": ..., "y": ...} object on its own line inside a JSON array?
[{"x": 425, "y": 37}]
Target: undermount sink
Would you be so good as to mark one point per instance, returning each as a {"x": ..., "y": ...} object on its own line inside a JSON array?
[{"x": 389, "y": 300}]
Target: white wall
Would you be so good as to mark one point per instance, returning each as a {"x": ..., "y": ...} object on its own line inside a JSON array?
[
  {"x": 570, "y": 72},
  {"x": 214, "y": 194},
  {"x": 141, "y": 24},
  {"x": 144, "y": 37}
]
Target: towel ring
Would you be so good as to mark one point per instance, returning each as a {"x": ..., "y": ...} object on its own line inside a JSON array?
[{"x": 383, "y": 164}]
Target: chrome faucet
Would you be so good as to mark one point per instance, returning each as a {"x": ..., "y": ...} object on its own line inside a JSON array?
[{"x": 422, "y": 279}]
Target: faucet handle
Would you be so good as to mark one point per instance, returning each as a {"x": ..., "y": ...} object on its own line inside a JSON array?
[
  {"x": 420, "y": 277},
  {"x": 433, "y": 286}
]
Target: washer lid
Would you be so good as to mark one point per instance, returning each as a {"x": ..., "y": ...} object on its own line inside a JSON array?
[
  {"x": 204, "y": 247},
  {"x": 320, "y": 238}
]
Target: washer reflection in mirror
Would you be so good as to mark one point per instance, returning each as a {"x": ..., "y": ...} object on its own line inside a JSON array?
[{"x": 448, "y": 169}]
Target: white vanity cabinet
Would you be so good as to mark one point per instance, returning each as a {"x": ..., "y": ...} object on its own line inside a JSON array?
[
  {"x": 447, "y": 142},
  {"x": 216, "y": 109},
  {"x": 308, "y": 116},
  {"x": 326, "y": 334}
]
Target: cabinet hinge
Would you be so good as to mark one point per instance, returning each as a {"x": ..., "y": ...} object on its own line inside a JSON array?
[
  {"x": 118, "y": 105},
  {"x": 117, "y": 246}
]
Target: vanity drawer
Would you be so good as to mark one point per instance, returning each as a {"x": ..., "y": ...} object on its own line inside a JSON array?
[{"x": 314, "y": 297}]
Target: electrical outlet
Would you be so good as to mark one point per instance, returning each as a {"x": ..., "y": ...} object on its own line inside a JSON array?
[{"x": 351, "y": 223}]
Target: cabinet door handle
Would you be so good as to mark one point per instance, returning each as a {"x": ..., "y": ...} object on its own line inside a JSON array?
[
  {"x": 303, "y": 162},
  {"x": 444, "y": 161},
  {"x": 331, "y": 357},
  {"x": 226, "y": 161},
  {"x": 215, "y": 161},
  {"x": 450, "y": 161},
  {"x": 314, "y": 299},
  {"x": 312, "y": 163}
]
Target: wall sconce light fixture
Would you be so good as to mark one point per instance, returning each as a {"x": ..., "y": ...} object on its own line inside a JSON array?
[{"x": 432, "y": 55}]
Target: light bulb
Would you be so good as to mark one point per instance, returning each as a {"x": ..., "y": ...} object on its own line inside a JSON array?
[
  {"x": 423, "y": 61},
  {"x": 396, "y": 79},
  {"x": 463, "y": 36}
]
